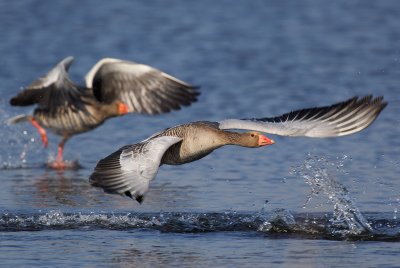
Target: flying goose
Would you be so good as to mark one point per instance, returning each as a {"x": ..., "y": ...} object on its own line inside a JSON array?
[
  {"x": 129, "y": 170},
  {"x": 113, "y": 88}
]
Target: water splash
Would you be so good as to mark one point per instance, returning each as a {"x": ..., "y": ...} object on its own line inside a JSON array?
[
  {"x": 19, "y": 146},
  {"x": 347, "y": 219},
  {"x": 279, "y": 223},
  {"x": 165, "y": 222}
]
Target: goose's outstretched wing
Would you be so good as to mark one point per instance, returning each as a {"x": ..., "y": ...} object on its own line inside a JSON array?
[
  {"x": 61, "y": 104},
  {"x": 142, "y": 88},
  {"x": 339, "y": 119},
  {"x": 129, "y": 170},
  {"x": 49, "y": 90}
]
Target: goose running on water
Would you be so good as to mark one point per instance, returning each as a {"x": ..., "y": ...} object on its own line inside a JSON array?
[
  {"x": 129, "y": 170},
  {"x": 113, "y": 88}
]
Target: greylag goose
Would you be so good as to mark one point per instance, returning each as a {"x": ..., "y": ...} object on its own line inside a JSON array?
[
  {"x": 129, "y": 170},
  {"x": 113, "y": 87}
]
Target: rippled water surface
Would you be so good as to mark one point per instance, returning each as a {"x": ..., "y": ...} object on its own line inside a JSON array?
[{"x": 301, "y": 202}]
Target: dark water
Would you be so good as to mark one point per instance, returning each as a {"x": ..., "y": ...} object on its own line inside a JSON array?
[{"x": 301, "y": 202}]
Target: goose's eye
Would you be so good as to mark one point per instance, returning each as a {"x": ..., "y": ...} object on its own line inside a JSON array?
[{"x": 252, "y": 135}]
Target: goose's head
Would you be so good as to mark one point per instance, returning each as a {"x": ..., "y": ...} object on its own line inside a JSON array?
[{"x": 256, "y": 139}]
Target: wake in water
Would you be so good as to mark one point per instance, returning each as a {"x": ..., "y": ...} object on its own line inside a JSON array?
[{"x": 279, "y": 224}]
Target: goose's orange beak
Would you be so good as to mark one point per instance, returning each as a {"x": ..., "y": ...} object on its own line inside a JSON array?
[
  {"x": 122, "y": 108},
  {"x": 263, "y": 140}
]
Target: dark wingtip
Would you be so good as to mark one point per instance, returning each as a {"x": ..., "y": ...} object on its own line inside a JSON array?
[
  {"x": 21, "y": 100},
  {"x": 380, "y": 101},
  {"x": 375, "y": 101},
  {"x": 138, "y": 198},
  {"x": 128, "y": 194},
  {"x": 13, "y": 102},
  {"x": 27, "y": 97}
]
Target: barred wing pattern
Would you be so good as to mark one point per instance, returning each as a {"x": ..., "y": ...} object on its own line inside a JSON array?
[
  {"x": 142, "y": 88},
  {"x": 129, "y": 170}
]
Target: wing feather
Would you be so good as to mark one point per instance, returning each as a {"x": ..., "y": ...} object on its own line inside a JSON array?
[
  {"x": 39, "y": 90},
  {"x": 143, "y": 88},
  {"x": 129, "y": 170},
  {"x": 339, "y": 119},
  {"x": 61, "y": 104}
]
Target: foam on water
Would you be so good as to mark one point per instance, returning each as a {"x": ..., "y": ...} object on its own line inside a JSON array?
[{"x": 279, "y": 223}]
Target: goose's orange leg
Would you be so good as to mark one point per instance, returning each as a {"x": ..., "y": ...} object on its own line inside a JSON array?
[
  {"x": 59, "y": 163},
  {"x": 59, "y": 158},
  {"x": 41, "y": 131}
]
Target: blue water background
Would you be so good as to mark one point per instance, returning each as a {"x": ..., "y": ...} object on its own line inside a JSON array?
[{"x": 251, "y": 59}]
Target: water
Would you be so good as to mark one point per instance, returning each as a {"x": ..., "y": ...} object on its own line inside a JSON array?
[{"x": 301, "y": 202}]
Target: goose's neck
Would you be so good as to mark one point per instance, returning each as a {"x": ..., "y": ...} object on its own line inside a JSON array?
[
  {"x": 234, "y": 138},
  {"x": 108, "y": 110}
]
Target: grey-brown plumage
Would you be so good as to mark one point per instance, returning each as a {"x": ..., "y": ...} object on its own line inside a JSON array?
[
  {"x": 200, "y": 139},
  {"x": 113, "y": 87},
  {"x": 129, "y": 170}
]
